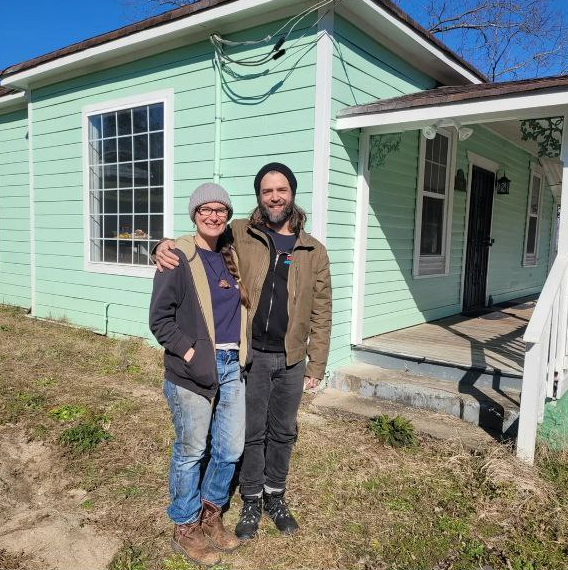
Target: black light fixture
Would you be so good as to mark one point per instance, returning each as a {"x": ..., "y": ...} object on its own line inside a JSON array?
[{"x": 503, "y": 184}]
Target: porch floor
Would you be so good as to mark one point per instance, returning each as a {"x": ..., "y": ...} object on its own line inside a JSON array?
[{"x": 493, "y": 340}]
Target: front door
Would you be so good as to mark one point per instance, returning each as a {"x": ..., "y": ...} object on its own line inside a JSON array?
[{"x": 478, "y": 239}]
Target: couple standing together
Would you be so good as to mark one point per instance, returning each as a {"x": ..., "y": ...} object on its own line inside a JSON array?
[{"x": 239, "y": 309}]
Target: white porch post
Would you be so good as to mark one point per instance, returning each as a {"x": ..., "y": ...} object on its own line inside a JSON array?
[{"x": 563, "y": 221}]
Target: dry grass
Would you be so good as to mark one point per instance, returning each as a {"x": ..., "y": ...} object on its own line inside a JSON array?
[{"x": 360, "y": 505}]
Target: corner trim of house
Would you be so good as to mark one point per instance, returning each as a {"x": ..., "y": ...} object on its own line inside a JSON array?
[
  {"x": 33, "y": 290},
  {"x": 322, "y": 123},
  {"x": 360, "y": 251}
]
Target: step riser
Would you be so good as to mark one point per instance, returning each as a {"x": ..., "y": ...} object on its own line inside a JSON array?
[
  {"x": 488, "y": 415},
  {"x": 446, "y": 372}
]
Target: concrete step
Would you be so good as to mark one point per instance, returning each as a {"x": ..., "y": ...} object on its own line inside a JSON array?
[
  {"x": 435, "y": 424},
  {"x": 445, "y": 370},
  {"x": 495, "y": 411}
]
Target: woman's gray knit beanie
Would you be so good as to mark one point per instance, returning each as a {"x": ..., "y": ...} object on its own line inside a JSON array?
[{"x": 209, "y": 192}]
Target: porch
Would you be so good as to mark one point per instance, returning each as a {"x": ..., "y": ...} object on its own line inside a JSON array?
[
  {"x": 491, "y": 342},
  {"x": 457, "y": 209}
]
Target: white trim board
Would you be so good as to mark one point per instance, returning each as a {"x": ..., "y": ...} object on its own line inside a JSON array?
[
  {"x": 471, "y": 112},
  {"x": 166, "y": 97},
  {"x": 360, "y": 250},
  {"x": 322, "y": 123},
  {"x": 33, "y": 287},
  {"x": 12, "y": 102}
]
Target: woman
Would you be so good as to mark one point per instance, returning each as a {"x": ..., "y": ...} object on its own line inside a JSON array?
[{"x": 198, "y": 314}]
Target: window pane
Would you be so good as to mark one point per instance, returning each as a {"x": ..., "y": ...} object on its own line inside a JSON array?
[
  {"x": 141, "y": 147},
  {"x": 531, "y": 237},
  {"x": 96, "y": 230},
  {"x": 125, "y": 225},
  {"x": 140, "y": 253},
  {"x": 157, "y": 145},
  {"x": 140, "y": 119},
  {"x": 95, "y": 127},
  {"x": 141, "y": 200},
  {"x": 156, "y": 200},
  {"x": 124, "y": 122},
  {"x": 140, "y": 226},
  {"x": 535, "y": 195},
  {"x": 110, "y": 250},
  {"x": 432, "y": 226},
  {"x": 442, "y": 157},
  {"x": 95, "y": 177},
  {"x": 156, "y": 173},
  {"x": 156, "y": 227},
  {"x": 95, "y": 152},
  {"x": 125, "y": 175},
  {"x": 109, "y": 150},
  {"x": 125, "y": 149},
  {"x": 141, "y": 174},
  {"x": 156, "y": 117},
  {"x": 125, "y": 251},
  {"x": 125, "y": 201},
  {"x": 109, "y": 125},
  {"x": 110, "y": 226},
  {"x": 110, "y": 178},
  {"x": 96, "y": 250},
  {"x": 110, "y": 202}
]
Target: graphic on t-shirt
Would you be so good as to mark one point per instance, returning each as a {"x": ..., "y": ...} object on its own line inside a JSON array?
[{"x": 288, "y": 259}]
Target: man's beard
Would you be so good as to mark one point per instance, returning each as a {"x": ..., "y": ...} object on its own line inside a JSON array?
[{"x": 277, "y": 218}]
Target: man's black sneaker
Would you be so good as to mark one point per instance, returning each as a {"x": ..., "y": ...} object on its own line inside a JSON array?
[
  {"x": 276, "y": 508},
  {"x": 250, "y": 517}
]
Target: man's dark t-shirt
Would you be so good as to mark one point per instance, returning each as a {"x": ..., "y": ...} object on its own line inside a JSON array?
[{"x": 271, "y": 318}]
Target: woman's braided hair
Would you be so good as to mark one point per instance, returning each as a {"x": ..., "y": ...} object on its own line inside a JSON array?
[{"x": 226, "y": 250}]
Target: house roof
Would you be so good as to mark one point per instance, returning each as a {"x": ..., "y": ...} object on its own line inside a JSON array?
[
  {"x": 458, "y": 94},
  {"x": 201, "y": 6},
  {"x": 4, "y": 91}
]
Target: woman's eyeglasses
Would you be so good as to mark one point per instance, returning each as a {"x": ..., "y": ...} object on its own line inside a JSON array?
[{"x": 206, "y": 211}]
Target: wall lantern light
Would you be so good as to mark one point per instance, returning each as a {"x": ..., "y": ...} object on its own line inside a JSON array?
[
  {"x": 460, "y": 183},
  {"x": 503, "y": 184}
]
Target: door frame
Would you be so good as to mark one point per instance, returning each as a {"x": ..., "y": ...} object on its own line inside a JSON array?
[{"x": 480, "y": 161}]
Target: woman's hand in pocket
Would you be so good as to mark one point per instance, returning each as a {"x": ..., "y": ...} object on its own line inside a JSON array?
[{"x": 189, "y": 355}]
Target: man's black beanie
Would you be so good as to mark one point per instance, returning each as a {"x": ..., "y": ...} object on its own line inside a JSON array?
[{"x": 275, "y": 167}]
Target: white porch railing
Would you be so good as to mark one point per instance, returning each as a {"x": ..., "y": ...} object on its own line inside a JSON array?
[{"x": 546, "y": 356}]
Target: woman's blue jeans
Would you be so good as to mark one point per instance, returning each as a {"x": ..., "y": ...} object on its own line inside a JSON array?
[{"x": 194, "y": 418}]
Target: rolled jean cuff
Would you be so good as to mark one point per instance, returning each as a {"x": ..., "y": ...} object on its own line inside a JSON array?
[{"x": 251, "y": 490}]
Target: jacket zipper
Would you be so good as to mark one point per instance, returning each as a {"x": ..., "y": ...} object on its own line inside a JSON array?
[{"x": 278, "y": 254}]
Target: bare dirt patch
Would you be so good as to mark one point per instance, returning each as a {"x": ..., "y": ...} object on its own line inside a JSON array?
[{"x": 42, "y": 514}]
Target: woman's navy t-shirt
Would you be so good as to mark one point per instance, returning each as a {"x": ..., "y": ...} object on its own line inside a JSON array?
[{"x": 226, "y": 302}]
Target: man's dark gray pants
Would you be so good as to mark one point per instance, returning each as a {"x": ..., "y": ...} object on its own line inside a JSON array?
[{"x": 273, "y": 395}]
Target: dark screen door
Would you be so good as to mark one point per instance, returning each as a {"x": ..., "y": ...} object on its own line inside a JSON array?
[{"x": 478, "y": 239}]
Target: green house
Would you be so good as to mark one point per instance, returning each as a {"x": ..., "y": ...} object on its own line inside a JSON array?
[{"x": 411, "y": 167}]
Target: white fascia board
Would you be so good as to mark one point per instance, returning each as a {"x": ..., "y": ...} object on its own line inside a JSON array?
[
  {"x": 402, "y": 39},
  {"x": 12, "y": 101},
  {"x": 138, "y": 41},
  {"x": 470, "y": 112}
]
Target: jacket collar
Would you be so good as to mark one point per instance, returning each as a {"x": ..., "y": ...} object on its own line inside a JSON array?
[{"x": 303, "y": 240}]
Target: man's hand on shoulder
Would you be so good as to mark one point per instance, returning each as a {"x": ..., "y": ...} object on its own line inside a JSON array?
[{"x": 165, "y": 258}]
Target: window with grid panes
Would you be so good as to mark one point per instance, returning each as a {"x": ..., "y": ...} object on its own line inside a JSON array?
[
  {"x": 434, "y": 206},
  {"x": 533, "y": 214},
  {"x": 126, "y": 184}
]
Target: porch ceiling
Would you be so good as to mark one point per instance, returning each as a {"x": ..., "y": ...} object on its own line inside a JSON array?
[{"x": 469, "y": 104}]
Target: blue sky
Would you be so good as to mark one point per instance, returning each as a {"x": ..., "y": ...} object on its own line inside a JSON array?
[{"x": 37, "y": 27}]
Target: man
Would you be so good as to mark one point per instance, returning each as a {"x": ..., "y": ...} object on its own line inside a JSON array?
[{"x": 286, "y": 272}]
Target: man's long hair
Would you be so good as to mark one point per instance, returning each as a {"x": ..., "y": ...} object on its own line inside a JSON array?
[{"x": 296, "y": 221}]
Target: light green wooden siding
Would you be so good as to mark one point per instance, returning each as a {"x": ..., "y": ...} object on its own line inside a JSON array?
[
  {"x": 393, "y": 298},
  {"x": 15, "y": 285},
  {"x": 264, "y": 117},
  {"x": 363, "y": 71}
]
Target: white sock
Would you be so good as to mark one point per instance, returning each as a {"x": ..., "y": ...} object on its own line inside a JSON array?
[{"x": 271, "y": 490}]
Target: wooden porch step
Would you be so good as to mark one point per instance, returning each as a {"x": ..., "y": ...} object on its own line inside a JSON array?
[{"x": 496, "y": 411}]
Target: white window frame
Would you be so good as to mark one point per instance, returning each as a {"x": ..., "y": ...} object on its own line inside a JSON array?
[
  {"x": 419, "y": 272},
  {"x": 166, "y": 97},
  {"x": 532, "y": 259}
]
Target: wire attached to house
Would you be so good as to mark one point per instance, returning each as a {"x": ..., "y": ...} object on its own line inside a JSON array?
[{"x": 277, "y": 51}]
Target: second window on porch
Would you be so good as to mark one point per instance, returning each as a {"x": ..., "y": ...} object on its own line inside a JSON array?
[{"x": 432, "y": 206}]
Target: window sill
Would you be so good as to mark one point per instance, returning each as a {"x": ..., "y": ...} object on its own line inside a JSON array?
[
  {"x": 429, "y": 276},
  {"x": 145, "y": 271}
]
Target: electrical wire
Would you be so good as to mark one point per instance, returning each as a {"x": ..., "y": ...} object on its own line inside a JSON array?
[{"x": 253, "y": 61}]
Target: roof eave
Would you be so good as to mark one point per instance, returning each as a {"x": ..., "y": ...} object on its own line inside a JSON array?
[
  {"x": 488, "y": 109},
  {"x": 12, "y": 101}
]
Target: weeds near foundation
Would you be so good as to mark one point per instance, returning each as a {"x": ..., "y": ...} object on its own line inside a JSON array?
[{"x": 396, "y": 432}]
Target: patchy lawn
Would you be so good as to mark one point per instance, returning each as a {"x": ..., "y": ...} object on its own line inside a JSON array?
[{"x": 84, "y": 444}]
